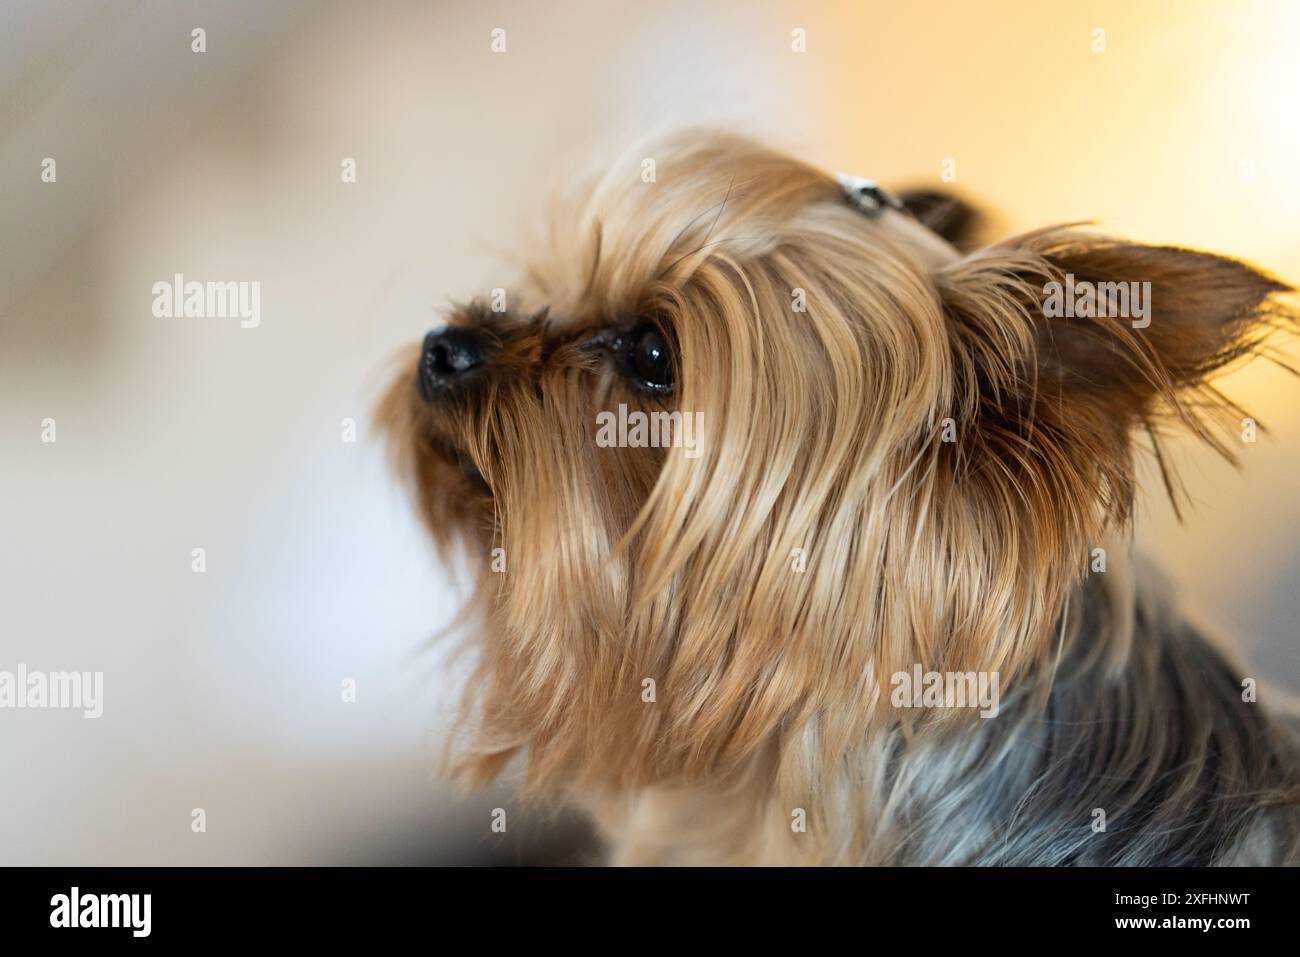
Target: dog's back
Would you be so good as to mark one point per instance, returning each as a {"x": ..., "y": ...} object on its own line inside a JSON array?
[{"x": 1150, "y": 749}]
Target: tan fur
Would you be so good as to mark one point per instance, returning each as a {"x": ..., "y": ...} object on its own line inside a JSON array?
[{"x": 822, "y": 433}]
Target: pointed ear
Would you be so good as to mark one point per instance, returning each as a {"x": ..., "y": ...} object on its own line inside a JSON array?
[
  {"x": 1148, "y": 319},
  {"x": 1072, "y": 339},
  {"x": 1118, "y": 323},
  {"x": 944, "y": 213}
]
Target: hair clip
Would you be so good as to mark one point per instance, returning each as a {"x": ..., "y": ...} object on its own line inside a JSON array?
[{"x": 866, "y": 196}]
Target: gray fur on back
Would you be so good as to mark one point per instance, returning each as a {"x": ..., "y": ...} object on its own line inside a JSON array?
[{"x": 1142, "y": 720}]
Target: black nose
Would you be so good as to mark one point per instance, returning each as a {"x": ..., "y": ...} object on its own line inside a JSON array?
[{"x": 448, "y": 356}]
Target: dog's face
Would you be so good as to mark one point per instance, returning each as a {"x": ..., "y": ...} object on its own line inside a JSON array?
[{"x": 895, "y": 454}]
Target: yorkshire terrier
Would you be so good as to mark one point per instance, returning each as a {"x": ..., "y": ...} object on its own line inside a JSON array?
[{"x": 878, "y": 609}]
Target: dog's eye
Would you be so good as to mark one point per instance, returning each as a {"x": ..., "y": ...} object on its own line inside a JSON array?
[{"x": 651, "y": 360}]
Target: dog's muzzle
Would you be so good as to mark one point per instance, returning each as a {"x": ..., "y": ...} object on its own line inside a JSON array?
[{"x": 449, "y": 356}]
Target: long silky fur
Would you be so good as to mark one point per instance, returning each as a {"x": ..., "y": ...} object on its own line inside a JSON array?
[{"x": 823, "y": 433}]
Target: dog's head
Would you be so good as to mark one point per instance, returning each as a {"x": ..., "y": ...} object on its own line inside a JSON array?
[{"x": 888, "y": 453}]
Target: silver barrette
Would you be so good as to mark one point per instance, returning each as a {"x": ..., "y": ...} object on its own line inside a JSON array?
[{"x": 866, "y": 196}]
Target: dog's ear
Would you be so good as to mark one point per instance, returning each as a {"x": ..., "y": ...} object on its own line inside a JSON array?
[
  {"x": 946, "y": 214},
  {"x": 1201, "y": 312},
  {"x": 1071, "y": 339}
]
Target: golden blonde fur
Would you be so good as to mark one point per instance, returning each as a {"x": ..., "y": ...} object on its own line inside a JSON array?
[{"x": 831, "y": 534}]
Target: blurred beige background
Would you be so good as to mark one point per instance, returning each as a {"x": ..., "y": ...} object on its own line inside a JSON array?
[{"x": 223, "y": 689}]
